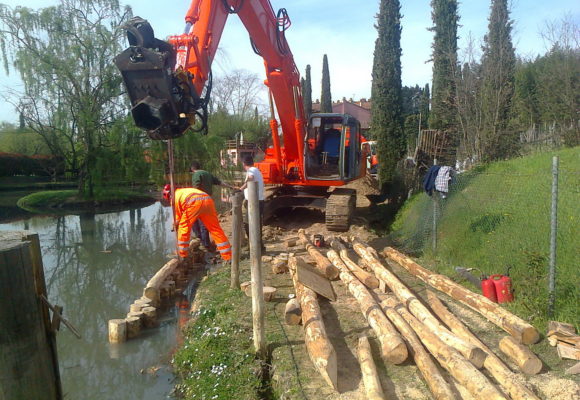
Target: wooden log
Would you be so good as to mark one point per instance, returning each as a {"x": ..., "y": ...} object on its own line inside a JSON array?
[
  {"x": 145, "y": 302},
  {"x": 291, "y": 242},
  {"x": 133, "y": 327},
  {"x": 501, "y": 373},
  {"x": 237, "y": 229},
  {"x": 574, "y": 370},
  {"x": 255, "y": 238},
  {"x": 138, "y": 314},
  {"x": 149, "y": 317},
  {"x": 566, "y": 350},
  {"x": 371, "y": 379},
  {"x": 279, "y": 266},
  {"x": 437, "y": 384},
  {"x": 322, "y": 263},
  {"x": 319, "y": 347},
  {"x": 293, "y": 312},
  {"x": 269, "y": 293},
  {"x": 462, "y": 370},
  {"x": 561, "y": 327},
  {"x": 152, "y": 290},
  {"x": 496, "y": 314},
  {"x": 393, "y": 348},
  {"x": 246, "y": 287},
  {"x": 472, "y": 353},
  {"x": 367, "y": 279},
  {"x": 526, "y": 361},
  {"x": 117, "y": 331},
  {"x": 565, "y": 337},
  {"x": 136, "y": 307},
  {"x": 311, "y": 278}
]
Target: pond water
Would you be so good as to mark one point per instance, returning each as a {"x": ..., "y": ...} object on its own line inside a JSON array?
[{"x": 95, "y": 267}]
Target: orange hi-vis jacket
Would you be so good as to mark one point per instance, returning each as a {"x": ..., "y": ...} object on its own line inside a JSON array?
[{"x": 191, "y": 204}]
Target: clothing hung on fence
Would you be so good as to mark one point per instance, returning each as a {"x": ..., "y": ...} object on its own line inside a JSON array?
[
  {"x": 443, "y": 178},
  {"x": 429, "y": 180}
]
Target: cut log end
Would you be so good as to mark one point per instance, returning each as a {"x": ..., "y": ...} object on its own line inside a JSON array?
[
  {"x": 393, "y": 349},
  {"x": 117, "y": 331},
  {"x": 293, "y": 312},
  {"x": 530, "y": 335}
]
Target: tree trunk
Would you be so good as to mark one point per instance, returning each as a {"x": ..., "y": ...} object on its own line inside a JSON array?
[
  {"x": 512, "y": 324},
  {"x": 527, "y": 361},
  {"x": 371, "y": 379},
  {"x": 319, "y": 348},
  {"x": 369, "y": 280},
  {"x": 461, "y": 369},
  {"x": 437, "y": 384},
  {"x": 469, "y": 351},
  {"x": 393, "y": 348},
  {"x": 493, "y": 364},
  {"x": 326, "y": 268},
  {"x": 153, "y": 288}
]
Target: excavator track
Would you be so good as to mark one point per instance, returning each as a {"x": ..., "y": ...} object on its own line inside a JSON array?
[{"x": 340, "y": 207}]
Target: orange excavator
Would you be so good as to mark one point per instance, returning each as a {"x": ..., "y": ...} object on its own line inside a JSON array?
[{"x": 169, "y": 85}]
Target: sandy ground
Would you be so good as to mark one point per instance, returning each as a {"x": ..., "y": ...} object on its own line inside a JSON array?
[{"x": 293, "y": 373}]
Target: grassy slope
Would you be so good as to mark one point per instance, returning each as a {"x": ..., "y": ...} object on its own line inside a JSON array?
[{"x": 500, "y": 216}]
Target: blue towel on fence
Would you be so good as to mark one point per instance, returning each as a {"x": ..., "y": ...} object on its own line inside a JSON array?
[{"x": 429, "y": 180}]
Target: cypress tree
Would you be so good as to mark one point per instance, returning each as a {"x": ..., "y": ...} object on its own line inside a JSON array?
[
  {"x": 307, "y": 94},
  {"x": 444, "y": 56},
  {"x": 424, "y": 108},
  {"x": 498, "y": 69},
  {"x": 325, "y": 97},
  {"x": 386, "y": 112}
]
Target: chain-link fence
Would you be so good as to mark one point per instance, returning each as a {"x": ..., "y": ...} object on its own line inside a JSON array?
[{"x": 499, "y": 217}]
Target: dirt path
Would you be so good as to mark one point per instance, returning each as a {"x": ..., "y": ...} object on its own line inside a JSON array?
[{"x": 293, "y": 374}]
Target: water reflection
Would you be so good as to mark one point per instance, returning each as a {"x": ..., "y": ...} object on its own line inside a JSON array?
[{"x": 95, "y": 266}]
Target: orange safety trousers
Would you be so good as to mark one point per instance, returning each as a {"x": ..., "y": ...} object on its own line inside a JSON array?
[{"x": 191, "y": 204}]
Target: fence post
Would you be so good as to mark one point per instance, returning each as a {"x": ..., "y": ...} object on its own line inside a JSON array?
[
  {"x": 256, "y": 271},
  {"x": 237, "y": 227},
  {"x": 434, "y": 228},
  {"x": 29, "y": 365},
  {"x": 553, "y": 238}
]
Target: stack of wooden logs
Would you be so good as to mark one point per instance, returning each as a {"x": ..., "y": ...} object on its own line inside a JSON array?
[
  {"x": 564, "y": 337},
  {"x": 158, "y": 293},
  {"x": 403, "y": 325}
]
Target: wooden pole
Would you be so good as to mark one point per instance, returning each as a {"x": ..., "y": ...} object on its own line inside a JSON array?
[
  {"x": 258, "y": 306},
  {"x": 319, "y": 348},
  {"x": 496, "y": 314},
  {"x": 493, "y": 364},
  {"x": 472, "y": 353},
  {"x": 462, "y": 370},
  {"x": 117, "y": 330},
  {"x": 393, "y": 348},
  {"x": 367, "y": 279},
  {"x": 371, "y": 380},
  {"x": 153, "y": 289},
  {"x": 27, "y": 361},
  {"x": 527, "y": 361},
  {"x": 324, "y": 266},
  {"x": 237, "y": 229},
  {"x": 437, "y": 384}
]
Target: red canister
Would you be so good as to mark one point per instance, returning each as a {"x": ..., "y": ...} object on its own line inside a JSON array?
[
  {"x": 488, "y": 288},
  {"x": 503, "y": 288}
]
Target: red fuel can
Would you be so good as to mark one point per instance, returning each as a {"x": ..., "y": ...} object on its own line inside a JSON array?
[
  {"x": 488, "y": 288},
  {"x": 503, "y": 288}
]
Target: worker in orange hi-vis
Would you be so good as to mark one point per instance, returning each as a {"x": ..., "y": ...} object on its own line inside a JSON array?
[{"x": 191, "y": 204}]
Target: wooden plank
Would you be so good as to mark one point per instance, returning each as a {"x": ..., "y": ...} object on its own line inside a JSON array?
[
  {"x": 561, "y": 327},
  {"x": 568, "y": 351},
  {"x": 569, "y": 338},
  {"x": 309, "y": 277},
  {"x": 574, "y": 370}
]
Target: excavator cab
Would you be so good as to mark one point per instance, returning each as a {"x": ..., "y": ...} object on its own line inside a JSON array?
[{"x": 333, "y": 148}]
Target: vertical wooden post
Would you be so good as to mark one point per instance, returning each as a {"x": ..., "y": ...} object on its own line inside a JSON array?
[
  {"x": 27, "y": 365},
  {"x": 553, "y": 238},
  {"x": 237, "y": 228},
  {"x": 256, "y": 271}
]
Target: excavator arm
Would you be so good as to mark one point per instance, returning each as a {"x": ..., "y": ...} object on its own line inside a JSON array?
[{"x": 169, "y": 82}]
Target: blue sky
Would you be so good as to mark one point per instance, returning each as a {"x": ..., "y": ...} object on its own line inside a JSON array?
[{"x": 344, "y": 30}]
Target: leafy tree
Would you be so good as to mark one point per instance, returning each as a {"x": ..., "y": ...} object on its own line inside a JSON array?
[
  {"x": 325, "y": 97},
  {"x": 498, "y": 68},
  {"x": 71, "y": 96},
  {"x": 387, "y": 119},
  {"x": 424, "y": 106},
  {"x": 307, "y": 93},
  {"x": 445, "y": 19},
  {"x": 21, "y": 141}
]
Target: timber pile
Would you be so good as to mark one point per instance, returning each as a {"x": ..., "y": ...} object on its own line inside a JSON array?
[
  {"x": 563, "y": 336},
  {"x": 159, "y": 292},
  {"x": 403, "y": 325}
]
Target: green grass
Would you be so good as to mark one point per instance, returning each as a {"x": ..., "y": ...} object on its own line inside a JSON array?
[
  {"x": 69, "y": 199},
  {"x": 499, "y": 216},
  {"x": 216, "y": 360}
]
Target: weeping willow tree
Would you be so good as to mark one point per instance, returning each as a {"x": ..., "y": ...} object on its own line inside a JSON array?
[{"x": 72, "y": 89}]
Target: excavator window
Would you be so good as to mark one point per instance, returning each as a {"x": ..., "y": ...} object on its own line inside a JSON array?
[{"x": 324, "y": 141}]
